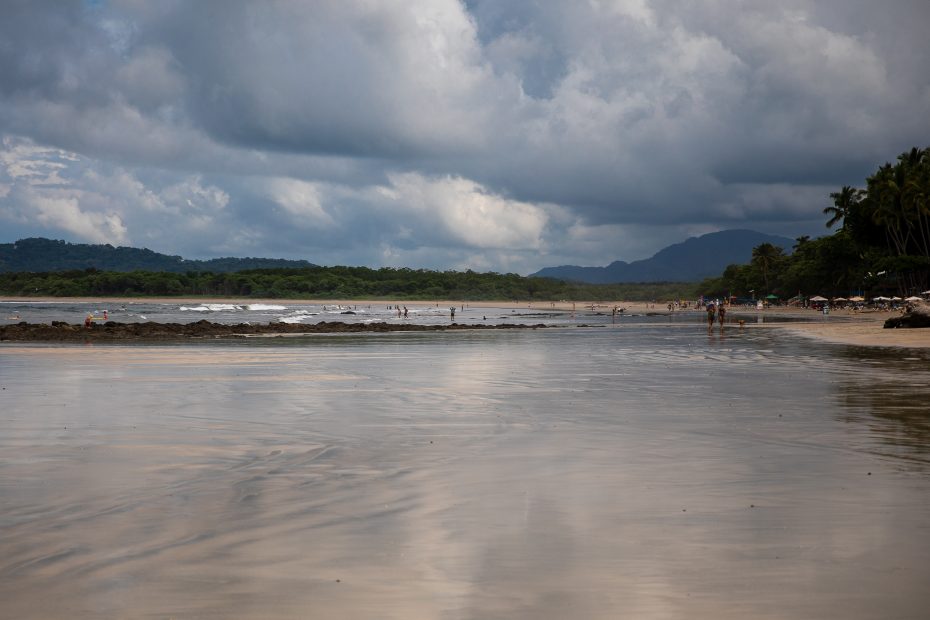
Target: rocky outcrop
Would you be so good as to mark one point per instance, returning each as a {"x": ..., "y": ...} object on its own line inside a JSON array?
[
  {"x": 59, "y": 331},
  {"x": 916, "y": 314}
]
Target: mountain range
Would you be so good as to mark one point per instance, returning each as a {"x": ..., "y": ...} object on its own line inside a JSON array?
[
  {"x": 689, "y": 261},
  {"x": 38, "y": 255}
]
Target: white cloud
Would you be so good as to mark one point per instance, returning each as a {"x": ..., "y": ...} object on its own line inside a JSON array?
[
  {"x": 467, "y": 212},
  {"x": 63, "y": 212},
  {"x": 302, "y": 200}
]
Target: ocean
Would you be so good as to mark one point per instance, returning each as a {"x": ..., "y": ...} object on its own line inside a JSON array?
[{"x": 647, "y": 468}]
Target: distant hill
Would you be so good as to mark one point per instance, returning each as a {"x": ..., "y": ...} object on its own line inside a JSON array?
[
  {"x": 39, "y": 255},
  {"x": 689, "y": 261}
]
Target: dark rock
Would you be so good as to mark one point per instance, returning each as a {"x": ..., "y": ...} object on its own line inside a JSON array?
[
  {"x": 916, "y": 314},
  {"x": 113, "y": 331}
]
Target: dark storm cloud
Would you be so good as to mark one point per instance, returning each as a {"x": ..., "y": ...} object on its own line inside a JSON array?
[{"x": 498, "y": 135}]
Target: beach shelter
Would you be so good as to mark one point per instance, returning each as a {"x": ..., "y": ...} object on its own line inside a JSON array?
[{"x": 818, "y": 298}]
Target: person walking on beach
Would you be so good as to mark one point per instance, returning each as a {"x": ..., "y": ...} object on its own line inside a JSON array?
[
  {"x": 721, "y": 313},
  {"x": 452, "y": 312},
  {"x": 711, "y": 314}
]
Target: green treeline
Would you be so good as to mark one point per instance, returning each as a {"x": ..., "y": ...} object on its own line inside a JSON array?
[
  {"x": 882, "y": 243},
  {"x": 329, "y": 283}
]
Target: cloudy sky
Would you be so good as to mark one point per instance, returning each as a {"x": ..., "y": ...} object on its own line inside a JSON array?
[{"x": 503, "y": 135}]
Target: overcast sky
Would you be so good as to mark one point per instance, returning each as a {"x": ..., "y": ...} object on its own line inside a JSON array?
[{"x": 487, "y": 134}]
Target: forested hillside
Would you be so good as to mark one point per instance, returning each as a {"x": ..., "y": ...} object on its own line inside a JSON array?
[{"x": 38, "y": 254}]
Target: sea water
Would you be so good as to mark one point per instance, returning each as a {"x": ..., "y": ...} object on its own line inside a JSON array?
[
  {"x": 636, "y": 470},
  {"x": 298, "y": 312}
]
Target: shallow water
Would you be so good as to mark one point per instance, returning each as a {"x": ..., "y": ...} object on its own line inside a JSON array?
[
  {"x": 286, "y": 311},
  {"x": 643, "y": 471}
]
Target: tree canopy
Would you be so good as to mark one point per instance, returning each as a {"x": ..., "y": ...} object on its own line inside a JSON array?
[
  {"x": 882, "y": 243},
  {"x": 330, "y": 283}
]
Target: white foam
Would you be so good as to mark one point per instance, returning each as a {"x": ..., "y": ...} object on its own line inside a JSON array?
[
  {"x": 256, "y": 307},
  {"x": 296, "y": 317},
  {"x": 211, "y": 308}
]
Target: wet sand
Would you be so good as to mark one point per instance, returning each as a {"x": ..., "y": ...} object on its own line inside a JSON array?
[{"x": 648, "y": 473}]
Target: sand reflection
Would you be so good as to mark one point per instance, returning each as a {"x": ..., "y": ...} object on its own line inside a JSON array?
[{"x": 541, "y": 475}]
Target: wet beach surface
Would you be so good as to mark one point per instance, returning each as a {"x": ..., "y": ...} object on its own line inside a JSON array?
[{"x": 654, "y": 471}]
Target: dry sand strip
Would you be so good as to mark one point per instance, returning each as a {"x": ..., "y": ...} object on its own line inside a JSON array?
[{"x": 863, "y": 329}]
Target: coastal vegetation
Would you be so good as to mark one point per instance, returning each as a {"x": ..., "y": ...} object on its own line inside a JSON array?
[
  {"x": 881, "y": 243},
  {"x": 330, "y": 283}
]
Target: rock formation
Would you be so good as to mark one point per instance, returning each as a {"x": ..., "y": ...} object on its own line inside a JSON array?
[
  {"x": 916, "y": 314},
  {"x": 60, "y": 331}
]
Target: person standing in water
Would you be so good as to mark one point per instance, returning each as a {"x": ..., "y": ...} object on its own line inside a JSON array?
[
  {"x": 711, "y": 314},
  {"x": 721, "y": 313},
  {"x": 452, "y": 312}
]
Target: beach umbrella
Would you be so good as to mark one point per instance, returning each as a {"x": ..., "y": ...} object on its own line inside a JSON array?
[
  {"x": 926, "y": 293},
  {"x": 771, "y": 296},
  {"x": 880, "y": 298},
  {"x": 913, "y": 298},
  {"x": 857, "y": 298},
  {"x": 840, "y": 299},
  {"x": 818, "y": 298},
  {"x": 895, "y": 299}
]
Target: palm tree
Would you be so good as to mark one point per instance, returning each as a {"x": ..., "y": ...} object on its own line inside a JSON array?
[
  {"x": 843, "y": 201},
  {"x": 764, "y": 256},
  {"x": 885, "y": 194}
]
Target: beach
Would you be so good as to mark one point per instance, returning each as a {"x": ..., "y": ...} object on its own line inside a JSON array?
[
  {"x": 642, "y": 466},
  {"x": 650, "y": 469}
]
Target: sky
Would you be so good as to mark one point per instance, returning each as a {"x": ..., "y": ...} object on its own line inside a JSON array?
[{"x": 494, "y": 135}]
